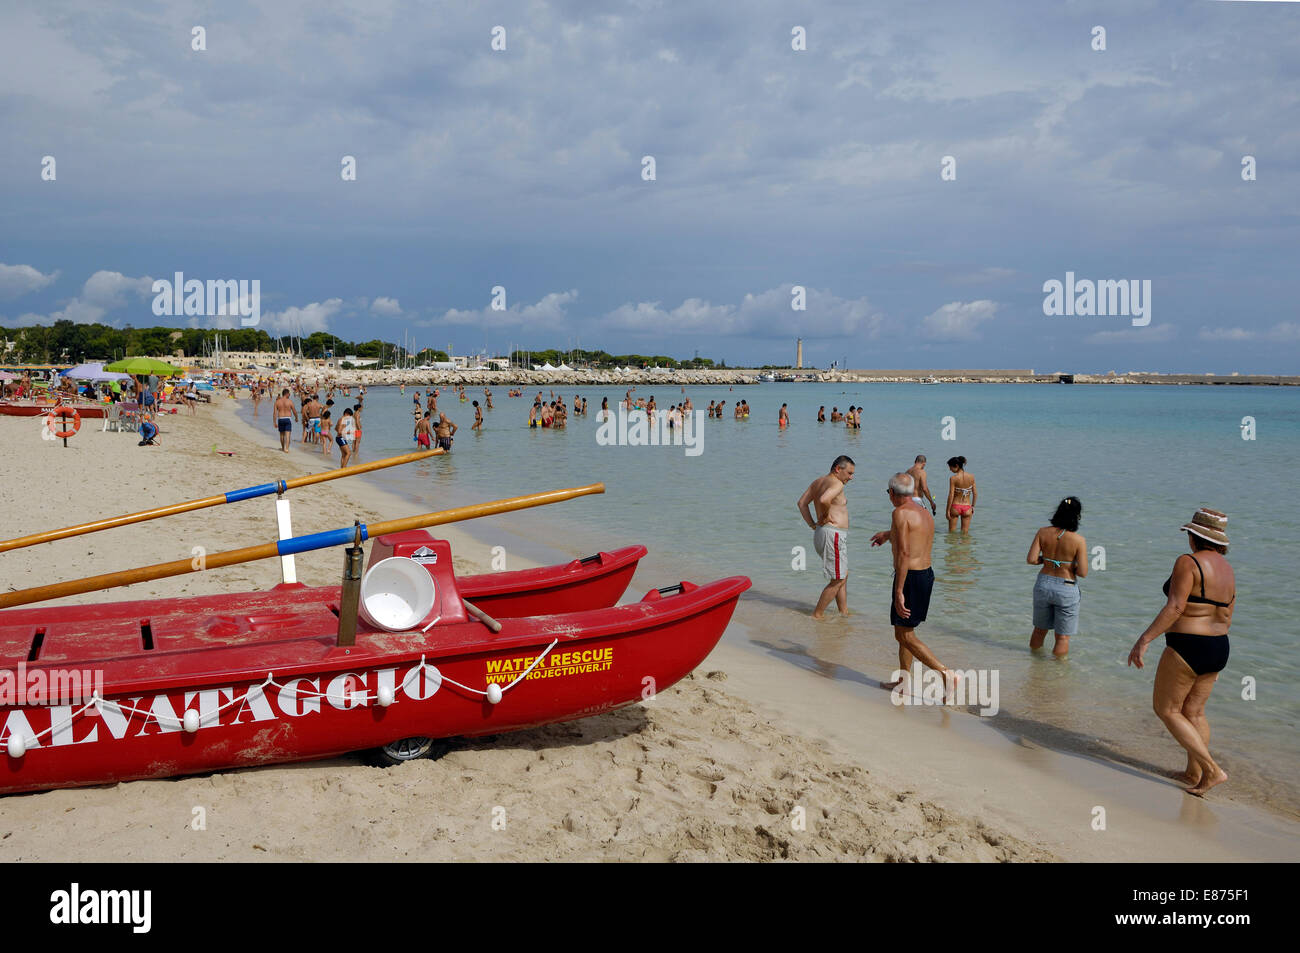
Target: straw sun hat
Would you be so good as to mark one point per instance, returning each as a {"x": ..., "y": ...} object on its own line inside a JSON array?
[{"x": 1209, "y": 525}]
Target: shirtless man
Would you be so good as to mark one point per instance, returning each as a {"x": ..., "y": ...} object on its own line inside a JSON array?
[
  {"x": 783, "y": 418},
  {"x": 345, "y": 430},
  {"x": 836, "y": 416},
  {"x": 910, "y": 535},
  {"x": 830, "y": 532},
  {"x": 444, "y": 429},
  {"x": 917, "y": 472},
  {"x": 285, "y": 413},
  {"x": 311, "y": 411},
  {"x": 424, "y": 432}
]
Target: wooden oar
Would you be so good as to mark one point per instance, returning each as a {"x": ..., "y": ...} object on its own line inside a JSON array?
[
  {"x": 234, "y": 496},
  {"x": 287, "y": 547}
]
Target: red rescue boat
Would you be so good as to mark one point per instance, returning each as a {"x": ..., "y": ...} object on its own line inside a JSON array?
[
  {"x": 158, "y": 688},
  {"x": 39, "y": 408},
  {"x": 149, "y": 689}
]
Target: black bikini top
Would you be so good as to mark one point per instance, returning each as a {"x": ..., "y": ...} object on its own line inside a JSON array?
[{"x": 1201, "y": 598}]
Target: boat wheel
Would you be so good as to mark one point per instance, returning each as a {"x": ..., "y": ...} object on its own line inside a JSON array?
[{"x": 409, "y": 749}]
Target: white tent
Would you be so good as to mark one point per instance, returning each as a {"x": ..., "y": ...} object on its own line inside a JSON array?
[
  {"x": 547, "y": 367},
  {"x": 563, "y": 367}
]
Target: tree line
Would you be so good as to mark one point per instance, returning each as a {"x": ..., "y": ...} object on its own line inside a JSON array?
[{"x": 67, "y": 342}]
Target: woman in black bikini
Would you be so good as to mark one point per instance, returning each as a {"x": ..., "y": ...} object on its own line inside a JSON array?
[{"x": 1195, "y": 627}]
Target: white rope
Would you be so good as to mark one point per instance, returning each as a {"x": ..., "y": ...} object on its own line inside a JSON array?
[{"x": 97, "y": 702}]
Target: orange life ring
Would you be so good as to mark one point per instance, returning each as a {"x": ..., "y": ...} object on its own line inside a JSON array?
[{"x": 63, "y": 413}]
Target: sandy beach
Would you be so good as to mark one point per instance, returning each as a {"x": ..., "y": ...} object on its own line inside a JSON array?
[{"x": 748, "y": 759}]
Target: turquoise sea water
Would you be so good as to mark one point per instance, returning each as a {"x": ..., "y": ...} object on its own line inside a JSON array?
[{"x": 1141, "y": 459}]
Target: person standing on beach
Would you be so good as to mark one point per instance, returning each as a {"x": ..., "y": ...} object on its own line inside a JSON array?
[
  {"x": 1195, "y": 627},
  {"x": 1056, "y": 591},
  {"x": 830, "y": 526},
  {"x": 917, "y": 473},
  {"x": 424, "y": 432},
  {"x": 961, "y": 495},
  {"x": 285, "y": 414},
  {"x": 911, "y": 537}
]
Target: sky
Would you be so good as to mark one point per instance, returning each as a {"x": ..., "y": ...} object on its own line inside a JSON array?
[{"x": 774, "y": 169}]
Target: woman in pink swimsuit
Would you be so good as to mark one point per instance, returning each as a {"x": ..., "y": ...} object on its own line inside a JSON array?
[{"x": 961, "y": 495}]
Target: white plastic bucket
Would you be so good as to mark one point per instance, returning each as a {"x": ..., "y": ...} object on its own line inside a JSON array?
[{"x": 396, "y": 594}]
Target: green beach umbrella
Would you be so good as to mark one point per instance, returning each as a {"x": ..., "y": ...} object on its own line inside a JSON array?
[{"x": 142, "y": 366}]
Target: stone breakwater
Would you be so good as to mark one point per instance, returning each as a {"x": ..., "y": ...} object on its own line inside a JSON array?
[
  {"x": 553, "y": 380},
  {"x": 536, "y": 379}
]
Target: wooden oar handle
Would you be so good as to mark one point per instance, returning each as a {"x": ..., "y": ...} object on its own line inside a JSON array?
[
  {"x": 285, "y": 547},
  {"x": 233, "y": 496},
  {"x": 482, "y": 616}
]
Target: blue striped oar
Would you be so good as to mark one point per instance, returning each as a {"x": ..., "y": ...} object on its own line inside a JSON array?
[
  {"x": 234, "y": 496},
  {"x": 288, "y": 547}
]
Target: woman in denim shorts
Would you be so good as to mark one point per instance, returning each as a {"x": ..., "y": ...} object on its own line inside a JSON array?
[{"x": 1063, "y": 554}]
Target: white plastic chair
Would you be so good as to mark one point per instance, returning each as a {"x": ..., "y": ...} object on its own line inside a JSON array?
[{"x": 112, "y": 418}]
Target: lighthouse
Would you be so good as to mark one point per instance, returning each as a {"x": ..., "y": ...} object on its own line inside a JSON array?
[{"x": 798, "y": 352}]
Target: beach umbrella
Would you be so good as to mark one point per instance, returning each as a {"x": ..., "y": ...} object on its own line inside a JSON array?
[
  {"x": 92, "y": 372},
  {"x": 143, "y": 366}
]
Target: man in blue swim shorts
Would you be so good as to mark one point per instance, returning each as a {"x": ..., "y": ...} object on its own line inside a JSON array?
[{"x": 285, "y": 414}]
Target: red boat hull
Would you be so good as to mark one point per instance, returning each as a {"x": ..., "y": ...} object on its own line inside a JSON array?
[
  {"x": 164, "y": 659},
  {"x": 39, "y": 410}
]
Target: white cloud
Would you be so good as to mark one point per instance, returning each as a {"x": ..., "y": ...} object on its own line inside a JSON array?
[
  {"x": 386, "y": 307},
  {"x": 312, "y": 317},
  {"x": 1155, "y": 334},
  {"x": 18, "y": 280},
  {"x": 1284, "y": 331},
  {"x": 767, "y": 314},
  {"x": 104, "y": 291},
  {"x": 108, "y": 289},
  {"x": 957, "y": 320},
  {"x": 551, "y": 309},
  {"x": 1225, "y": 334}
]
